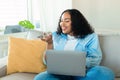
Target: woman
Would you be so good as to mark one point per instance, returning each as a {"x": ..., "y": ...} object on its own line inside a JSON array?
[{"x": 75, "y": 33}]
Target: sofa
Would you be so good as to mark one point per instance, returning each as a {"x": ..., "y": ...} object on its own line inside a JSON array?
[{"x": 109, "y": 42}]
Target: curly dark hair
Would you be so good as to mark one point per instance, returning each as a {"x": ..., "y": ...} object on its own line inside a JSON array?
[{"x": 80, "y": 25}]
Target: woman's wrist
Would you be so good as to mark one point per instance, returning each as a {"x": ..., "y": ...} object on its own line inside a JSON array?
[{"x": 50, "y": 46}]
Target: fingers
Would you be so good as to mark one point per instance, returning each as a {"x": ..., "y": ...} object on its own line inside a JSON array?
[{"x": 46, "y": 37}]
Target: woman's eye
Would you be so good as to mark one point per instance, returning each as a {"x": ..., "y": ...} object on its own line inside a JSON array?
[{"x": 66, "y": 21}]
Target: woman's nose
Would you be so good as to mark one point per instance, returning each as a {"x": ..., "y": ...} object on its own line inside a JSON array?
[{"x": 62, "y": 23}]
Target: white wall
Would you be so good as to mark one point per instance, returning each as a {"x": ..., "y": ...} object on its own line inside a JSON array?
[{"x": 102, "y": 14}]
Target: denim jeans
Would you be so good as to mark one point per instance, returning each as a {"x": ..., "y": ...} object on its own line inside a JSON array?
[{"x": 95, "y": 73}]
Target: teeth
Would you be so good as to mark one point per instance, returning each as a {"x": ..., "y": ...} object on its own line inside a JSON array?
[{"x": 64, "y": 28}]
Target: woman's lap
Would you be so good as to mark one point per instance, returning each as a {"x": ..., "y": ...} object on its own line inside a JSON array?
[
  {"x": 95, "y": 73},
  {"x": 98, "y": 73},
  {"x": 46, "y": 76}
]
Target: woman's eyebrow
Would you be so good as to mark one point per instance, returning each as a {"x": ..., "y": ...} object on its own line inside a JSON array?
[{"x": 66, "y": 19}]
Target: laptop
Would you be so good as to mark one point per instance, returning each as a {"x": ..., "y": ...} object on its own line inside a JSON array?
[{"x": 66, "y": 62}]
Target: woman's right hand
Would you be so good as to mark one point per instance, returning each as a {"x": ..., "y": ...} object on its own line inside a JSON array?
[{"x": 48, "y": 38}]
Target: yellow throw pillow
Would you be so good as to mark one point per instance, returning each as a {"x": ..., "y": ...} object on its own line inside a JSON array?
[{"x": 25, "y": 55}]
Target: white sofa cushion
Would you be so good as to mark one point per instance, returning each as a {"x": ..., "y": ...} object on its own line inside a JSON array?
[
  {"x": 3, "y": 62},
  {"x": 111, "y": 52},
  {"x": 19, "y": 76}
]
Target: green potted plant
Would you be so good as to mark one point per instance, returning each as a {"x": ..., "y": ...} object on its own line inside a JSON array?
[{"x": 26, "y": 24}]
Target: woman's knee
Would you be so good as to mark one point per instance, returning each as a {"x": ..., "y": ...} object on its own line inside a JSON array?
[
  {"x": 40, "y": 75},
  {"x": 101, "y": 73},
  {"x": 98, "y": 73},
  {"x": 44, "y": 76}
]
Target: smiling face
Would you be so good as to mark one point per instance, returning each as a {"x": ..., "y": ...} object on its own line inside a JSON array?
[{"x": 65, "y": 23}]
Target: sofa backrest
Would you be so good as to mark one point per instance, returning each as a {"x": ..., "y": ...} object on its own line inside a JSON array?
[
  {"x": 4, "y": 42},
  {"x": 110, "y": 44}
]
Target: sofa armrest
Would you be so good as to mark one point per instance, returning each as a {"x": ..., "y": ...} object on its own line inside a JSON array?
[{"x": 3, "y": 66}]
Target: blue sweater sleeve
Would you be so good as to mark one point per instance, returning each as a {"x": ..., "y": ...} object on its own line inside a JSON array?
[{"x": 94, "y": 54}]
